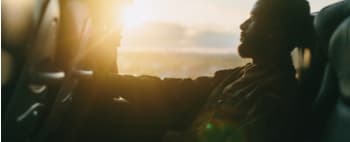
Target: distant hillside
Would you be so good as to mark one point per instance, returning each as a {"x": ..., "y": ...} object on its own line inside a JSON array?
[{"x": 176, "y": 64}]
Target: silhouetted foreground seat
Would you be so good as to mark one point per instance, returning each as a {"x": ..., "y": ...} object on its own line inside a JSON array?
[
  {"x": 36, "y": 81},
  {"x": 332, "y": 105}
]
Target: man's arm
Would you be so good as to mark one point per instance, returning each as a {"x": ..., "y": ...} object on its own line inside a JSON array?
[
  {"x": 171, "y": 103},
  {"x": 164, "y": 102},
  {"x": 151, "y": 103}
]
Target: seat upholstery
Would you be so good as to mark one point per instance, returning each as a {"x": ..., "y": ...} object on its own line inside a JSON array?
[
  {"x": 325, "y": 23},
  {"x": 332, "y": 105},
  {"x": 25, "y": 109},
  {"x": 338, "y": 126}
]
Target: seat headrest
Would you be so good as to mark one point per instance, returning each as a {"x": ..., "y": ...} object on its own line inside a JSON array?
[{"x": 327, "y": 20}]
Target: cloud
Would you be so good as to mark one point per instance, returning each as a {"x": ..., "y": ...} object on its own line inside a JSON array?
[
  {"x": 156, "y": 35},
  {"x": 211, "y": 38},
  {"x": 172, "y": 35}
]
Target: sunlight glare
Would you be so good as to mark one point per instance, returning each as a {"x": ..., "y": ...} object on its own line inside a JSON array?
[{"x": 132, "y": 16}]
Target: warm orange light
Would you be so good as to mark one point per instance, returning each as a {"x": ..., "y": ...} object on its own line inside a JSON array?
[
  {"x": 16, "y": 19},
  {"x": 132, "y": 16}
]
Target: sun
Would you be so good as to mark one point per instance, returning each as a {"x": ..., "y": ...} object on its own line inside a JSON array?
[{"x": 133, "y": 17}]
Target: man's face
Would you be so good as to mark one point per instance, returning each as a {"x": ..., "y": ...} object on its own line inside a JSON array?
[{"x": 261, "y": 32}]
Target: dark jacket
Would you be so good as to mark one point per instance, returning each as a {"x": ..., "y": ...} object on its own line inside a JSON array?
[{"x": 252, "y": 103}]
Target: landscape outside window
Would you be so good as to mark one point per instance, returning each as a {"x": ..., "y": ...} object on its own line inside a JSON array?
[{"x": 184, "y": 38}]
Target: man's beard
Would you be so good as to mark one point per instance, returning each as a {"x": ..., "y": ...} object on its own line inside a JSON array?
[
  {"x": 247, "y": 50},
  {"x": 252, "y": 48},
  {"x": 242, "y": 52}
]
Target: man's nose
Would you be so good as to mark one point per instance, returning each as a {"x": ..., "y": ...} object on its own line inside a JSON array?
[{"x": 244, "y": 25}]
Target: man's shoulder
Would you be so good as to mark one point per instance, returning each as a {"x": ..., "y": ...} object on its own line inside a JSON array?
[{"x": 229, "y": 72}]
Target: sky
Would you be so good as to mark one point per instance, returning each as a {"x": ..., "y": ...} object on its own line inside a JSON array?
[{"x": 174, "y": 24}]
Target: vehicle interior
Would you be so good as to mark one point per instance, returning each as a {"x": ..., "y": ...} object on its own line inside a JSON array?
[{"x": 52, "y": 96}]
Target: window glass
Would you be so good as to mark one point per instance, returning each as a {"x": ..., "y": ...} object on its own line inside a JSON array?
[{"x": 184, "y": 38}]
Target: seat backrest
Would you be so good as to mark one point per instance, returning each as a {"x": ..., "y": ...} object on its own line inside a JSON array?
[
  {"x": 338, "y": 125},
  {"x": 74, "y": 17},
  {"x": 332, "y": 105},
  {"x": 27, "y": 105},
  {"x": 325, "y": 23}
]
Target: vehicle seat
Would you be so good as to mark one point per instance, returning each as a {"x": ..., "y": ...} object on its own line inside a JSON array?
[
  {"x": 332, "y": 105},
  {"x": 325, "y": 23}
]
